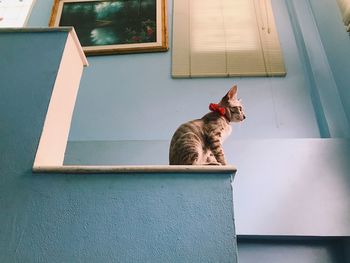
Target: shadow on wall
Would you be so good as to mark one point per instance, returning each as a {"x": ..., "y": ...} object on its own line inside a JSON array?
[{"x": 291, "y": 250}]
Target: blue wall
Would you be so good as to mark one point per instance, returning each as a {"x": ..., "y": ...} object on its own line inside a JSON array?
[
  {"x": 95, "y": 217},
  {"x": 287, "y": 107},
  {"x": 336, "y": 43},
  {"x": 281, "y": 186},
  {"x": 141, "y": 83},
  {"x": 48, "y": 215}
]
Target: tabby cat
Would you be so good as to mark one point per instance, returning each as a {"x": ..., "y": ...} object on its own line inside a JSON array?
[{"x": 199, "y": 142}]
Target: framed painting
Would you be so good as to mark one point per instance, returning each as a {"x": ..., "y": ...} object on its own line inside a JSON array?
[{"x": 114, "y": 26}]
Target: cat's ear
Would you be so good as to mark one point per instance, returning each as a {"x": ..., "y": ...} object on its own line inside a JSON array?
[{"x": 232, "y": 93}]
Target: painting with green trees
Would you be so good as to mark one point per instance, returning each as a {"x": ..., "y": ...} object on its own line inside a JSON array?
[{"x": 111, "y": 22}]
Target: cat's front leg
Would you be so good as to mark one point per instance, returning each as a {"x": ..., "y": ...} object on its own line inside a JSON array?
[
  {"x": 210, "y": 159},
  {"x": 216, "y": 149},
  {"x": 220, "y": 157}
]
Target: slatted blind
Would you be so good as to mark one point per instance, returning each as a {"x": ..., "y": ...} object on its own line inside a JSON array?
[
  {"x": 344, "y": 6},
  {"x": 225, "y": 38}
]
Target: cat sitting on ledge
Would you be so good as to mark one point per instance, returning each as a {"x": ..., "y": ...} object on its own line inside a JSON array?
[{"x": 199, "y": 142}]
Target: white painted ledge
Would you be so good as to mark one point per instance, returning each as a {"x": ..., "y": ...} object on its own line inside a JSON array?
[
  {"x": 58, "y": 119},
  {"x": 136, "y": 169}
]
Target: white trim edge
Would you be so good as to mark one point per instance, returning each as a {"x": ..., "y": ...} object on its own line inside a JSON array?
[{"x": 136, "y": 169}]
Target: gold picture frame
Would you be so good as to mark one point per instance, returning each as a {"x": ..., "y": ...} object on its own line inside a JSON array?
[{"x": 114, "y": 26}]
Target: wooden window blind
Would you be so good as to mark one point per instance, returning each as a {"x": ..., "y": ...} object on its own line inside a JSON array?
[{"x": 225, "y": 38}]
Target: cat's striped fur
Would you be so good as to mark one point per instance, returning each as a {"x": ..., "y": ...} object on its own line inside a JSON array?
[{"x": 199, "y": 142}]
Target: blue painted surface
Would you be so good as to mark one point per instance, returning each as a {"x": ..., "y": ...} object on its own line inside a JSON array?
[
  {"x": 117, "y": 218},
  {"x": 29, "y": 64},
  {"x": 282, "y": 185},
  {"x": 40, "y": 14},
  {"x": 315, "y": 98},
  {"x": 288, "y": 168},
  {"x": 293, "y": 250},
  {"x": 325, "y": 95},
  {"x": 47, "y": 215},
  {"x": 133, "y": 97},
  {"x": 94, "y": 218},
  {"x": 292, "y": 187},
  {"x": 119, "y": 96},
  {"x": 336, "y": 43},
  {"x": 117, "y": 153}
]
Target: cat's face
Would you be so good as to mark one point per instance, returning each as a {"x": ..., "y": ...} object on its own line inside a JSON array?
[{"x": 233, "y": 105}]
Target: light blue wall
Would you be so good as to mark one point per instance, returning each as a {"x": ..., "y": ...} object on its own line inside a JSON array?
[
  {"x": 293, "y": 107},
  {"x": 336, "y": 42},
  {"x": 120, "y": 95},
  {"x": 325, "y": 95},
  {"x": 48, "y": 215},
  {"x": 133, "y": 97},
  {"x": 281, "y": 186},
  {"x": 95, "y": 217}
]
